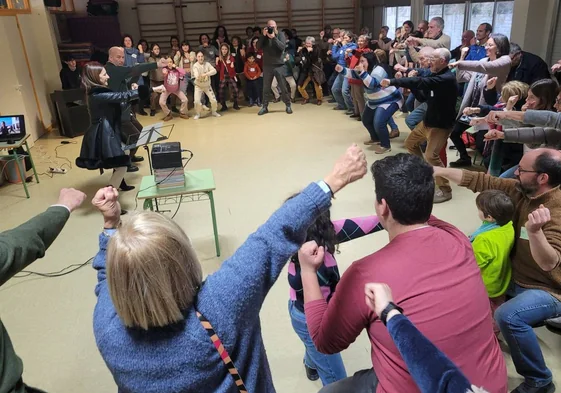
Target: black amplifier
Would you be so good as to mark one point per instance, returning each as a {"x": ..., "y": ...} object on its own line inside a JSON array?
[{"x": 166, "y": 155}]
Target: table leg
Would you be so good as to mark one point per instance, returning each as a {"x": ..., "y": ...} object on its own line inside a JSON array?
[
  {"x": 32, "y": 163},
  {"x": 214, "y": 225},
  {"x": 148, "y": 205},
  {"x": 21, "y": 171}
]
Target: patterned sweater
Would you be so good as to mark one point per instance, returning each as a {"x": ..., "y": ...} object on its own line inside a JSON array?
[
  {"x": 375, "y": 94},
  {"x": 328, "y": 273}
]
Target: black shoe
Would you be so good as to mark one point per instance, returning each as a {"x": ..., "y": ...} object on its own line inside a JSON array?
[
  {"x": 289, "y": 109},
  {"x": 236, "y": 106},
  {"x": 152, "y": 113},
  {"x": 132, "y": 168},
  {"x": 125, "y": 187},
  {"x": 224, "y": 108},
  {"x": 174, "y": 109},
  {"x": 452, "y": 147},
  {"x": 123, "y": 212},
  {"x": 137, "y": 159},
  {"x": 263, "y": 111},
  {"x": 331, "y": 101},
  {"x": 142, "y": 112},
  {"x": 354, "y": 116},
  {"x": 349, "y": 112},
  {"x": 461, "y": 163},
  {"x": 311, "y": 373},
  {"x": 524, "y": 388}
]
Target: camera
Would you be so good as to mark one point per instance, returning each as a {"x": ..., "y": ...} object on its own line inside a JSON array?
[{"x": 270, "y": 29}]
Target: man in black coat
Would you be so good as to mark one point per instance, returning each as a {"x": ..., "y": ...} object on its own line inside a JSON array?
[
  {"x": 119, "y": 81},
  {"x": 526, "y": 67},
  {"x": 273, "y": 44}
]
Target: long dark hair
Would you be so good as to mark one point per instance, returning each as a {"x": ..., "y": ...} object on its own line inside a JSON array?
[
  {"x": 128, "y": 36},
  {"x": 183, "y": 54},
  {"x": 201, "y": 38},
  {"x": 373, "y": 63},
  {"x": 240, "y": 42},
  {"x": 171, "y": 38},
  {"x": 215, "y": 36},
  {"x": 152, "y": 51},
  {"x": 322, "y": 231},
  {"x": 90, "y": 75},
  {"x": 546, "y": 90}
]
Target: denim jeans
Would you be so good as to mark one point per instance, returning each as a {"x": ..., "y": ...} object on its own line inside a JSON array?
[
  {"x": 416, "y": 116},
  {"x": 392, "y": 124},
  {"x": 337, "y": 91},
  {"x": 329, "y": 367},
  {"x": 376, "y": 122},
  {"x": 516, "y": 318},
  {"x": 409, "y": 105},
  {"x": 509, "y": 173},
  {"x": 347, "y": 96}
]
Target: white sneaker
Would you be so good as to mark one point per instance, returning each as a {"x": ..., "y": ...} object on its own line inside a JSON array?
[
  {"x": 216, "y": 114},
  {"x": 206, "y": 108},
  {"x": 197, "y": 117}
]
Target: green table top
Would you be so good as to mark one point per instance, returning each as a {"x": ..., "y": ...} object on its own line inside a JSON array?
[
  {"x": 15, "y": 145},
  {"x": 195, "y": 181}
]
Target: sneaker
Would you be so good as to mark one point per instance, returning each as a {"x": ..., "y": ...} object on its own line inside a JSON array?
[
  {"x": 263, "y": 111},
  {"x": 184, "y": 116},
  {"x": 168, "y": 117},
  {"x": 394, "y": 133},
  {"x": 525, "y": 388},
  {"x": 461, "y": 163},
  {"x": 197, "y": 117},
  {"x": 441, "y": 196},
  {"x": 137, "y": 159},
  {"x": 152, "y": 113},
  {"x": 216, "y": 114},
  {"x": 371, "y": 142},
  {"x": 289, "y": 109},
  {"x": 381, "y": 150},
  {"x": 311, "y": 373},
  {"x": 132, "y": 168},
  {"x": 205, "y": 108}
]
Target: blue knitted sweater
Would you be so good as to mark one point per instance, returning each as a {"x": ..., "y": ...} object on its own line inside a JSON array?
[{"x": 181, "y": 358}]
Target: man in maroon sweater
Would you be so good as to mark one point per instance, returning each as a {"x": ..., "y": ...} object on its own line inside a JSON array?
[{"x": 431, "y": 268}]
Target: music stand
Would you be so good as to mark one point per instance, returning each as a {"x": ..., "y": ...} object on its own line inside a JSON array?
[{"x": 148, "y": 135}]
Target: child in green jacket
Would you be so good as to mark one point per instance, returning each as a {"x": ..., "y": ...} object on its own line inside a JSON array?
[{"x": 492, "y": 243}]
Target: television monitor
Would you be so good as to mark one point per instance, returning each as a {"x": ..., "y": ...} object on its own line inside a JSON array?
[{"x": 12, "y": 128}]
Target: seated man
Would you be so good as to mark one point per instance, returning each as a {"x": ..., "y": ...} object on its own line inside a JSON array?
[
  {"x": 525, "y": 66},
  {"x": 430, "y": 266},
  {"x": 536, "y": 275},
  {"x": 70, "y": 74}
]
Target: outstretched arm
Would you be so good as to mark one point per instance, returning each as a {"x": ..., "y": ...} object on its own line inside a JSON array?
[{"x": 21, "y": 246}]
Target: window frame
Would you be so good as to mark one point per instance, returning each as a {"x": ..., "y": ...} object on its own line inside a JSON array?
[
  {"x": 11, "y": 11},
  {"x": 384, "y": 15}
]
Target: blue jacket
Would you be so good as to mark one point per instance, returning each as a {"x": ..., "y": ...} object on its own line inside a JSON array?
[
  {"x": 133, "y": 57},
  {"x": 182, "y": 358},
  {"x": 338, "y": 52},
  {"x": 476, "y": 52}
]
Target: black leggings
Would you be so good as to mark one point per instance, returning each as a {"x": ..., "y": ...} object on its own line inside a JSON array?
[{"x": 456, "y": 137}]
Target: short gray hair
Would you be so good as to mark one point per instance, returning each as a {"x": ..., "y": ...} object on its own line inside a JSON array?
[
  {"x": 311, "y": 39},
  {"x": 439, "y": 22},
  {"x": 443, "y": 53},
  {"x": 514, "y": 49}
]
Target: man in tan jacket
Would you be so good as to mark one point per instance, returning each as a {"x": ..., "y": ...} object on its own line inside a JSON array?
[
  {"x": 436, "y": 37},
  {"x": 535, "y": 291}
]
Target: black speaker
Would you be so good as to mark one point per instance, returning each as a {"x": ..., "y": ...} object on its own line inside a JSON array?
[{"x": 53, "y": 3}]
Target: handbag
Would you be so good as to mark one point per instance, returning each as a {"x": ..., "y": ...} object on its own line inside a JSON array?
[{"x": 228, "y": 362}]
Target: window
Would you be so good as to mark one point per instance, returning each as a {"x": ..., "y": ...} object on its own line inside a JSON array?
[
  {"x": 394, "y": 18},
  {"x": 498, "y": 13},
  {"x": 12, "y": 7}
]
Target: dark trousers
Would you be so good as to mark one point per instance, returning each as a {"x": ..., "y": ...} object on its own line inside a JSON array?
[
  {"x": 456, "y": 137},
  {"x": 269, "y": 73},
  {"x": 130, "y": 130},
  {"x": 329, "y": 71},
  {"x": 254, "y": 89}
]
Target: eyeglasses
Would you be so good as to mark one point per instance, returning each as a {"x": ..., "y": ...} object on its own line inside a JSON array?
[{"x": 520, "y": 170}]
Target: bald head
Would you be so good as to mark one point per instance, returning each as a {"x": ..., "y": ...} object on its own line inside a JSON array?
[
  {"x": 424, "y": 56},
  {"x": 117, "y": 56}
]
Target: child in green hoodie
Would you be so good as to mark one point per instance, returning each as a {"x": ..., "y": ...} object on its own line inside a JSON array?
[{"x": 492, "y": 243}]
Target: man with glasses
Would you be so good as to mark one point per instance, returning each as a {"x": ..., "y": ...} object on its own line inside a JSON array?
[
  {"x": 535, "y": 291},
  {"x": 525, "y": 66},
  {"x": 435, "y": 35},
  {"x": 439, "y": 90}
]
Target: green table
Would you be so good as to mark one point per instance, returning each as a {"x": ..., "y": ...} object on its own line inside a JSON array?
[
  {"x": 16, "y": 157},
  {"x": 198, "y": 185}
]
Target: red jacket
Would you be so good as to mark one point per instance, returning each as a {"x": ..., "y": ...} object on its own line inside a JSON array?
[
  {"x": 258, "y": 56},
  {"x": 252, "y": 71},
  {"x": 353, "y": 61},
  {"x": 229, "y": 64}
]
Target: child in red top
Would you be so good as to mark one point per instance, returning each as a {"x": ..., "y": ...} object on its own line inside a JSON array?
[
  {"x": 172, "y": 80},
  {"x": 258, "y": 52},
  {"x": 252, "y": 73},
  {"x": 225, "y": 65}
]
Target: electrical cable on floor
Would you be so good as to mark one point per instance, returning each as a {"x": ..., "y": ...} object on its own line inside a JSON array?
[{"x": 60, "y": 273}]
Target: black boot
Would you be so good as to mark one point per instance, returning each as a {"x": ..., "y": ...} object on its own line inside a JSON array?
[
  {"x": 461, "y": 163},
  {"x": 224, "y": 107},
  {"x": 236, "y": 106},
  {"x": 289, "y": 109},
  {"x": 263, "y": 111},
  {"x": 125, "y": 187},
  {"x": 311, "y": 373}
]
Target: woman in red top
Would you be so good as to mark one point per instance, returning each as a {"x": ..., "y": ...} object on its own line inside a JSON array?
[
  {"x": 225, "y": 65},
  {"x": 258, "y": 52},
  {"x": 357, "y": 87}
]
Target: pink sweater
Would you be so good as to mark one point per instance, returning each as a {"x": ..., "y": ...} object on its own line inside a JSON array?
[{"x": 434, "y": 277}]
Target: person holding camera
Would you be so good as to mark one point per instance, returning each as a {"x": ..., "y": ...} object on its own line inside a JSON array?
[{"x": 273, "y": 45}]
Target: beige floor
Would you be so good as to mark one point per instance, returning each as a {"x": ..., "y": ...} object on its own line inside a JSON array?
[{"x": 257, "y": 163}]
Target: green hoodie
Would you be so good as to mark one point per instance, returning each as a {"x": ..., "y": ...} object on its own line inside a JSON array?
[{"x": 492, "y": 251}]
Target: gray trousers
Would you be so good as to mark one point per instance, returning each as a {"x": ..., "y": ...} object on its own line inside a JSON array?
[
  {"x": 364, "y": 381},
  {"x": 269, "y": 73}
]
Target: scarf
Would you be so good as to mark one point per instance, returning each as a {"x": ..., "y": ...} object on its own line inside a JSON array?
[{"x": 485, "y": 227}]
